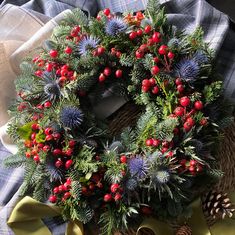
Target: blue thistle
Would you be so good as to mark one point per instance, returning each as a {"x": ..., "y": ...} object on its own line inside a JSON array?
[
  {"x": 200, "y": 57},
  {"x": 52, "y": 90},
  {"x": 187, "y": 69},
  {"x": 115, "y": 26},
  {"x": 131, "y": 184},
  {"x": 137, "y": 166},
  {"x": 86, "y": 44},
  {"x": 71, "y": 117},
  {"x": 161, "y": 177}
]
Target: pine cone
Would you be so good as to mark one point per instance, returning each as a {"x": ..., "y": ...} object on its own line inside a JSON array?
[
  {"x": 217, "y": 205},
  {"x": 184, "y": 230}
]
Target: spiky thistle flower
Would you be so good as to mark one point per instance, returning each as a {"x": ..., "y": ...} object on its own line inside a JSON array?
[
  {"x": 52, "y": 90},
  {"x": 187, "y": 69},
  {"x": 115, "y": 26},
  {"x": 161, "y": 177},
  {"x": 86, "y": 44},
  {"x": 71, "y": 117},
  {"x": 131, "y": 184},
  {"x": 200, "y": 57},
  {"x": 137, "y": 166}
]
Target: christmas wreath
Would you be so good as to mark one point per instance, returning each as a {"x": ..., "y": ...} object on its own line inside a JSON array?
[{"x": 111, "y": 166}]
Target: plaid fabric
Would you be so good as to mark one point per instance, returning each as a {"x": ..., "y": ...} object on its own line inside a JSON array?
[{"x": 184, "y": 14}]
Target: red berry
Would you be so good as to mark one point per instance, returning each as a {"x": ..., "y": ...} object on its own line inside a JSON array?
[
  {"x": 146, "y": 210},
  {"x": 193, "y": 163},
  {"x": 68, "y": 163},
  {"x": 191, "y": 168},
  {"x": 145, "y": 88},
  {"x": 146, "y": 82},
  {"x": 156, "y": 60},
  {"x": 48, "y": 131},
  {"x": 147, "y": 29},
  {"x": 143, "y": 47},
  {"x": 36, "y": 158},
  {"x": 156, "y": 142},
  {"x": 100, "y": 50},
  {"x": 152, "y": 81},
  {"x": 165, "y": 149},
  {"x": 106, "y": 11},
  {"x": 102, "y": 77},
  {"x": 58, "y": 163},
  {"x": 155, "y": 70},
  {"x": 72, "y": 143},
  {"x": 67, "y": 195},
  {"x": 49, "y": 67},
  {"x": 84, "y": 190},
  {"x": 118, "y": 54},
  {"x": 28, "y": 154},
  {"x": 117, "y": 197},
  {"x": 57, "y": 152},
  {"x": 191, "y": 121},
  {"x": 156, "y": 37},
  {"x": 183, "y": 162},
  {"x": 114, "y": 188},
  {"x": 170, "y": 154},
  {"x": 185, "y": 101},
  {"x": 178, "y": 81},
  {"x": 61, "y": 188},
  {"x": 49, "y": 137},
  {"x": 179, "y": 111},
  {"x": 56, "y": 136},
  {"x": 69, "y": 152},
  {"x": 33, "y": 135},
  {"x": 69, "y": 181},
  {"x": 180, "y": 88},
  {"x": 68, "y": 50},
  {"x": 149, "y": 142},
  {"x": 118, "y": 73},
  {"x": 133, "y": 35},
  {"x": 198, "y": 105},
  {"x": 46, "y": 148},
  {"x": 38, "y": 73},
  {"x": 162, "y": 49},
  {"x": 150, "y": 42},
  {"x": 52, "y": 199},
  {"x": 35, "y": 126},
  {"x": 47, "y": 104},
  {"x": 139, "y": 32},
  {"x": 139, "y": 54},
  {"x": 123, "y": 159},
  {"x": 56, "y": 190},
  {"x": 53, "y": 53},
  {"x": 170, "y": 55},
  {"x": 203, "y": 122},
  {"x": 107, "y": 71},
  {"x": 107, "y": 197},
  {"x": 187, "y": 126},
  {"x": 155, "y": 90}
]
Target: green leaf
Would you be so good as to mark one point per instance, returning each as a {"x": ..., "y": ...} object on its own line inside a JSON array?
[
  {"x": 40, "y": 137},
  {"x": 25, "y": 131}
]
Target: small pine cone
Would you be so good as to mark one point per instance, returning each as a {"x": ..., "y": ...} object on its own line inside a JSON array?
[
  {"x": 217, "y": 205},
  {"x": 184, "y": 230}
]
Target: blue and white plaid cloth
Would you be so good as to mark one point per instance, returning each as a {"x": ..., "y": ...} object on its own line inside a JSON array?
[{"x": 184, "y": 14}]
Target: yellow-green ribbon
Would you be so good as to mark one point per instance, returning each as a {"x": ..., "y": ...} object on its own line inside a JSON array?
[{"x": 25, "y": 219}]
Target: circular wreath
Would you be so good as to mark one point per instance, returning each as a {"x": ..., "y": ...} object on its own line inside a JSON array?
[{"x": 118, "y": 117}]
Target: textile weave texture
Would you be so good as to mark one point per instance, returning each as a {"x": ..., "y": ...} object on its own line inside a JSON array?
[{"x": 184, "y": 14}]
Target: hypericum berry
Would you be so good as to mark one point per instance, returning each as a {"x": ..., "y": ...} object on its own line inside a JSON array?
[
  {"x": 149, "y": 142},
  {"x": 178, "y": 81},
  {"x": 72, "y": 143},
  {"x": 203, "y": 122},
  {"x": 53, "y": 53},
  {"x": 133, "y": 35},
  {"x": 48, "y": 131},
  {"x": 106, "y": 11},
  {"x": 185, "y": 101},
  {"x": 139, "y": 54},
  {"x": 118, "y": 54},
  {"x": 156, "y": 142},
  {"x": 117, "y": 197},
  {"x": 100, "y": 50},
  {"x": 171, "y": 55},
  {"x": 47, "y": 104},
  {"x": 56, "y": 136},
  {"x": 147, "y": 29},
  {"x": 162, "y": 49},
  {"x": 68, "y": 163},
  {"x": 156, "y": 37},
  {"x": 143, "y": 47},
  {"x": 28, "y": 154},
  {"x": 49, "y": 137},
  {"x": 193, "y": 162},
  {"x": 46, "y": 148},
  {"x": 68, "y": 152},
  {"x": 67, "y": 195},
  {"x": 146, "y": 82},
  {"x": 114, "y": 188},
  {"x": 52, "y": 199},
  {"x": 56, "y": 190},
  {"x": 156, "y": 60},
  {"x": 49, "y": 67},
  {"x": 145, "y": 88},
  {"x": 58, "y": 163},
  {"x": 190, "y": 120},
  {"x": 169, "y": 154},
  {"x": 123, "y": 159},
  {"x": 179, "y": 111},
  {"x": 187, "y": 126},
  {"x": 118, "y": 73},
  {"x": 102, "y": 77},
  {"x": 146, "y": 210},
  {"x": 155, "y": 90},
  {"x": 57, "y": 152},
  {"x": 139, "y": 32},
  {"x": 191, "y": 168},
  {"x": 180, "y": 88},
  {"x": 33, "y": 135},
  {"x": 198, "y": 105},
  {"x": 68, "y": 50},
  {"x": 36, "y": 158},
  {"x": 35, "y": 126},
  {"x": 107, "y": 197},
  {"x": 155, "y": 70},
  {"x": 152, "y": 81},
  {"x": 107, "y": 71},
  {"x": 38, "y": 73}
]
